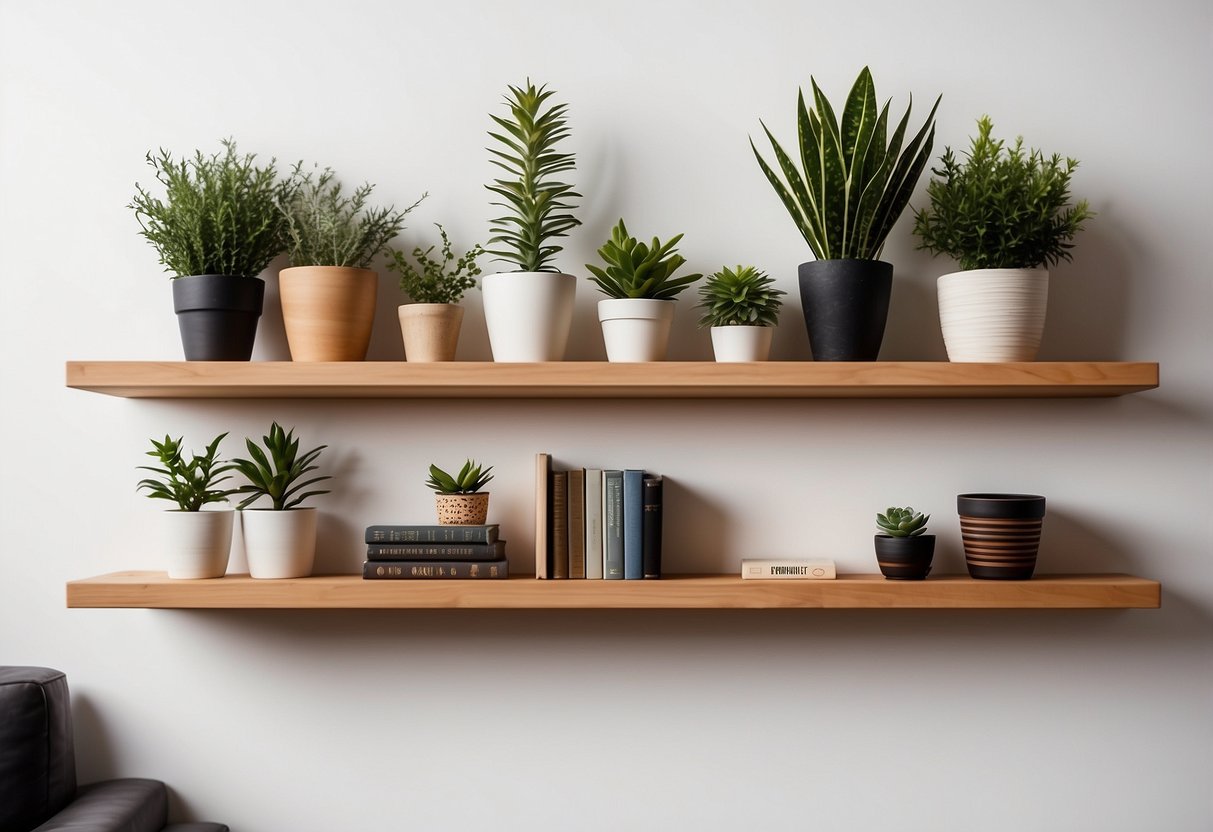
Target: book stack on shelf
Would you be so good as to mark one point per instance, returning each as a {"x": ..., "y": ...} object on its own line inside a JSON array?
[
  {"x": 596, "y": 523},
  {"x": 427, "y": 552}
]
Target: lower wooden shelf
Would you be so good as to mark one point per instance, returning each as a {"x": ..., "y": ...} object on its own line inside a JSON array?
[{"x": 153, "y": 590}]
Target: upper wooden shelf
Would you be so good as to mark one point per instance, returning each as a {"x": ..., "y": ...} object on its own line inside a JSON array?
[
  {"x": 154, "y": 590},
  {"x": 595, "y": 379}
]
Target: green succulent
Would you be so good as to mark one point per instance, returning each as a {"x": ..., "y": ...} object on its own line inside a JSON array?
[
  {"x": 275, "y": 472},
  {"x": 739, "y": 297},
  {"x": 636, "y": 270},
  {"x": 469, "y": 480},
  {"x": 436, "y": 281},
  {"x": 854, "y": 181},
  {"x": 190, "y": 484},
  {"x": 902, "y": 522}
]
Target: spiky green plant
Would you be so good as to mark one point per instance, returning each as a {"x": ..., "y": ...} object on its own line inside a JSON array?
[
  {"x": 636, "y": 270},
  {"x": 219, "y": 214},
  {"x": 436, "y": 281},
  {"x": 190, "y": 484},
  {"x": 854, "y": 180},
  {"x": 276, "y": 471},
  {"x": 1002, "y": 207},
  {"x": 469, "y": 480},
  {"x": 327, "y": 228},
  {"x": 538, "y": 204},
  {"x": 902, "y": 522},
  {"x": 739, "y": 297}
]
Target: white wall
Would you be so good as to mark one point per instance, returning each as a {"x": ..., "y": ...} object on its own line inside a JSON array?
[{"x": 848, "y": 721}]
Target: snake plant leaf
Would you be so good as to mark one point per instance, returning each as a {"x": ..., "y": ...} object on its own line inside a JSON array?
[
  {"x": 801, "y": 218},
  {"x": 810, "y": 161},
  {"x": 903, "y": 179}
]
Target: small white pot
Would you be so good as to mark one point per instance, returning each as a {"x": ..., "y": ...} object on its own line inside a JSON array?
[
  {"x": 196, "y": 543},
  {"x": 735, "y": 344},
  {"x": 279, "y": 544},
  {"x": 528, "y": 314},
  {"x": 993, "y": 314},
  {"x": 636, "y": 329}
]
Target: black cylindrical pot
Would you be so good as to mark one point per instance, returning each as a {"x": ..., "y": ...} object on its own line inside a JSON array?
[
  {"x": 218, "y": 315},
  {"x": 845, "y": 305},
  {"x": 905, "y": 558},
  {"x": 1001, "y": 534}
]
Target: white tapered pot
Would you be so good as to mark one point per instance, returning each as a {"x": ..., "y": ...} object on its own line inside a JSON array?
[
  {"x": 993, "y": 314},
  {"x": 528, "y": 314},
  {"x": 736, "y": 344},
  {"x": 636, "y": 329},
  {"x": 196, "y": 544},
  {"x": 279, "y": 544}
]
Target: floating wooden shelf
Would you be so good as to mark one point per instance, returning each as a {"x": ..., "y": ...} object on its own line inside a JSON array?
[
  {"x": 594, "y": 379},
  {"x": 155, "y": 590}
]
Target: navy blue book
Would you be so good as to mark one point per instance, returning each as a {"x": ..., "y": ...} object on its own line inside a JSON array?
[{"x": 633, "y": 524}]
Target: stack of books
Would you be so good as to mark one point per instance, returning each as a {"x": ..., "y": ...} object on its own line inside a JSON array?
[{"x": 426, "y": 552}]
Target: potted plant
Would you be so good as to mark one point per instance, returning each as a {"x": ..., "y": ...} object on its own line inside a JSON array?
[
  {"x": 852, "y": 186},
  {"x": 1001, "y": 534},
  {"x": 216, "y": 229},
  {"x": 903, "y": 549},
  {"x": 1004, "y": 215},
  {"x": 430, "y": 324},
  {"x": 328, "y": 293},
  {"x": 742, "y": 307},
  {"x": 640, "y": 286},
  {"x": 529, "y": 311},
  {"x": 279, "y": 542},
  {"x": 458, "y": 498},
  {"x": 196, "y": 541}
]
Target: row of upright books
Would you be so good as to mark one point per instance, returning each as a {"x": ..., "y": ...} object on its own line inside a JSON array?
[
  {"x": 421, "y": 552},
  {"x": 596, "y": 523}
]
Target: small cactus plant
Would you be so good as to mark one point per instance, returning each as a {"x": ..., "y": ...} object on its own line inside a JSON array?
[{"x": 902, "y": 522}]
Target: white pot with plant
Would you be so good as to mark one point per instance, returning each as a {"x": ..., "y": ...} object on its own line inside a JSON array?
[
  {"x": 328, "y": 293},
  {"x": 640, "y": 286},
  {"x": 458, "y": 497},
  {"x": 742, "y": 308},
  {"x": 430, "y": 324},
  {"x": 279, "y": 542},
  {"x": 196, "y": 537},
  {"x": 529, "y": 311},
  {"x": 1004, "y": 215}
]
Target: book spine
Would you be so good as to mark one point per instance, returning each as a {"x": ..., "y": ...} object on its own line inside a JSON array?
[
  {"x": 612, "y": 525},
  {"x": 543, "y": 513},
  {"x": 633, "y": 524},
  {"x": 593, "y": 523},
  {"x": 788, "y": 570},
  {"x": 417, "y": 570},
  {"x": 431, "y": 534},
  {"x": 560, "y": 524},
  {"x": 651, "y": 543},
  {"x": 577, "y": 523},
  {"x": 436, "y": 551}
]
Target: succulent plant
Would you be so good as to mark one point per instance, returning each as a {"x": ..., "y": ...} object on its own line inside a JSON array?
[
  {"x": 902, "y": 522},
  {"x": 636, "y": 270},
  {"x": 469, "y": 480},
  {"x": 190, "y": 485},
  {"x": 739, "y": 297},
  {"x": 276, "y": 475},
  {"x": 436, "y": 281}
]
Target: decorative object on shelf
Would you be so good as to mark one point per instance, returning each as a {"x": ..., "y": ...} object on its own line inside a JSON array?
[
  {"x": 529, "y": 311},
  {"x": 1004, "y": 215},
  {"x": 430, "y": 324},
  {"x": 788, "y": 569},
  {"x": 903, "y": 549},
  {"x": 328, "y": 293},
  {"x": 459, "y": 499},
  {"x": 1001, "y": 534},
  {"x": 197, "y": 541},
  {"x": 216, "y": 230},
  {"x": 742, "y": 308},
  {"x": 852, "y": 188},
  {"x": 279, "y": 542},
  {"x": 640, "y": 286}
]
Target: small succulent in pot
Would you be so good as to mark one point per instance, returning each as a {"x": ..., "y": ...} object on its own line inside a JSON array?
[
  {"x": 902, "y": 522},
  {"x": 276, "y": 471},
  {"x": 741, "y": 306},
  {"x": 459, "y": 500},
  {"x": 903, "y": 550}
]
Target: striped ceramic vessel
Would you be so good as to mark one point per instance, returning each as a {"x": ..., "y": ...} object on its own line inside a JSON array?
[
  {"x": 1001, "y": 534},
  {"x": 993, "y": 314}
]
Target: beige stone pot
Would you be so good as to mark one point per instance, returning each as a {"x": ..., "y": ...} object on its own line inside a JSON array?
[
  {"x": 430, "y": 330},
  {"x": 462, "y": 509},
  {"x": 328, "y": 311}
]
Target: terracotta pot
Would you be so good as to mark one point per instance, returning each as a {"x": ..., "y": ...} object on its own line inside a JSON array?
[
  {"x": 430, "y": 330},
  {"x": 462, "y": 509},
  {"x": 328, "y": 311},
  {"x": 1001, "y": 534}
]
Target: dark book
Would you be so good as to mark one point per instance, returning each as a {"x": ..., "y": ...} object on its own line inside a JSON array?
[
  {"x": 543, "y": 513},
  {"x": 560, "y": 524},
  {"x": 431, "y": 534},
  {"x": 633, "y": 524},
  {"x": 651, "y": 534},
  {"x": 577, "y": 523},
  {"x": 436, "y": 551},
  {"x": 421, "y": 570},
  {"x": 612, "y": 525}
]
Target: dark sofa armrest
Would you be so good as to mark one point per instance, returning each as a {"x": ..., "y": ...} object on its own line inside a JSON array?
[
  {"x": 130, "y": 805},
  {"x": 196, "y": 827}
]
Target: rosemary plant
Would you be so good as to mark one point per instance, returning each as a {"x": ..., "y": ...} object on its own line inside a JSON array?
[{"x": 435, "y": 281}]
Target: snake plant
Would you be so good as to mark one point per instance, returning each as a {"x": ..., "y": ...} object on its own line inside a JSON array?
[
  {"x": 739, "y": 297},
  {"x": 902, "y": 522},
  {"x": 636, "y": 270}
]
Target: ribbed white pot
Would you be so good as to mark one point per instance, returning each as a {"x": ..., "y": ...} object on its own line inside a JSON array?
[
  {"x": 196, "y": 544},
  {"x": 735, "y": 344},
  {"x": 993, "y": 314},
  {"x": 636, "y": 329},
  {"x": 528, "y": 314},
  {"x": 279, "y": 544}
]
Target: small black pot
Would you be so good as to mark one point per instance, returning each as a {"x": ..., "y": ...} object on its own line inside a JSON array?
[
  {"x": 845, "y": 305},
  {"x": 218, "y": 315},
  {"x": 1001, "y": 534},
  {"x": 905, "y": 558}
]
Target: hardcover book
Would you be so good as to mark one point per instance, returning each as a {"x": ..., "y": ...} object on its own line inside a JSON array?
[
  {"x": 543, "y": 549},
  {"x": 612, "y": 525},
  {"x": 651, "y": 543},
  {"x": 560, "y": 524},
  {"x": 411, "y": 570},
  {"x": 436, "y": 551},
  {"x": 432, "y": 534},
  {"x": 788, "y": 570},
  {"x": 633, "y": 524},
  {"x": 576, "y": 500},
  {"x": 593, "y": 523}
]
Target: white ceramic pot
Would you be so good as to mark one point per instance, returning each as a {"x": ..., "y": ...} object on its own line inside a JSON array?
[
  {"x": 993, "y": 314},
  {"x": 636, "y": 329},
  {"x": 279, "y": 544},
  {"x": 196, "y": 543},
  {"x": 528, "y": 314},
  {"x": 735, "y": 344}
]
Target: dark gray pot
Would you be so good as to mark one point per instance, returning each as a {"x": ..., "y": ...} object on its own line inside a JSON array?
[
  {"x": 218, "y": 315},
  {"x": 905, "y": 558},
  {"x": 1001, "y": 534},
  {"x": 845, "y": 305}
]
